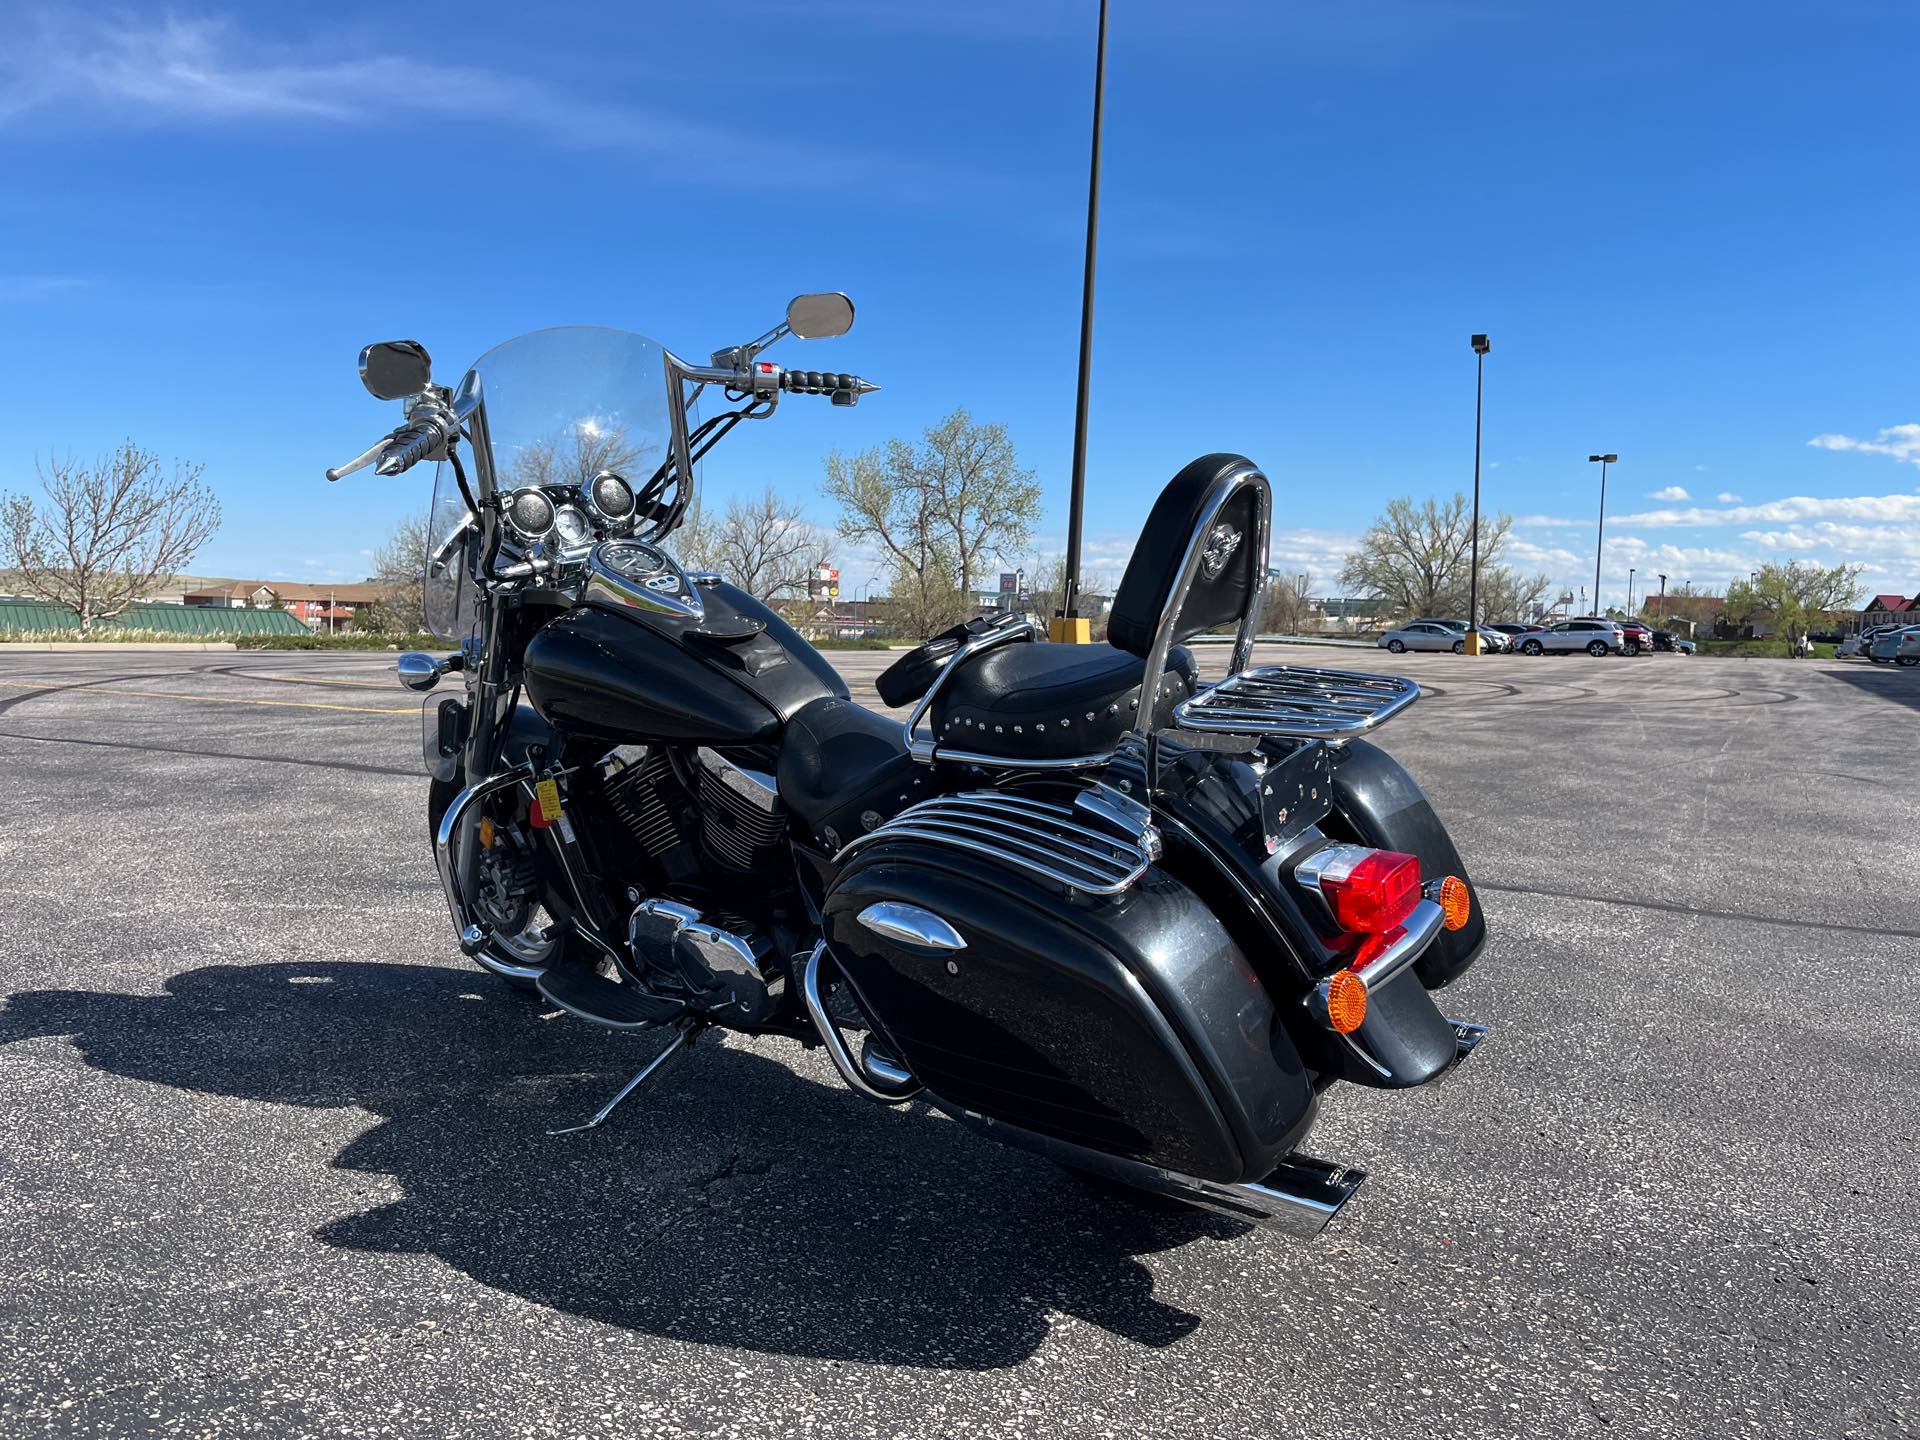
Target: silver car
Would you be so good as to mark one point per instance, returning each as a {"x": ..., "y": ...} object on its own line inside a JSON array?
[
  {"x": 1596, "y": 637},
  {"x": 1886, "y": 645},
  {"x": 1424, "y": 635}
]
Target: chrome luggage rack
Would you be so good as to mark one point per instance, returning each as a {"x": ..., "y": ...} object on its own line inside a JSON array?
[
  {"x": 1100, "y": 844},
  {"x": 1299, "y": 700}
]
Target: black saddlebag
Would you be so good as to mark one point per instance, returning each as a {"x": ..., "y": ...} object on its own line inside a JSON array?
[{"x": 1126, "y": 1024}]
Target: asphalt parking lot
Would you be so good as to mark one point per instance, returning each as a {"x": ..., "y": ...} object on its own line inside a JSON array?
[{"x": 273, "y": 1157}]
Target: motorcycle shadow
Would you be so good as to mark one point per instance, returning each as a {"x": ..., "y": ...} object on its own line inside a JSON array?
[{"x": 735, "y": 1203}]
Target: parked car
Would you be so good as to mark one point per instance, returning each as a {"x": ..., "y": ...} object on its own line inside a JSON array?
[
  {"x": 1596, "y": 637},
  {"x": 1639, "y": 637},
  {"x": 1513, "y": 632},
  {"x": 1683, "y": 647},
  {"x": 1908, "y": 651},
  {"x": 1491, "y": 640},
  {"x": 1663, "y": 639},
  {"x": 1885, "y": 648},
  {"x": 1424, "y": 635},
  {"x": 1862, "y": 643}
]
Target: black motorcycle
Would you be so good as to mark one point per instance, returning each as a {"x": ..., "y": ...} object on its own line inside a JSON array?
[{"x": 1080, "y": 899}]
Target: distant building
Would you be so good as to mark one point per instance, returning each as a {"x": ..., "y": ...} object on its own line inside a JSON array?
[
  {"x": 318, "y": 607},
  {"x": 1890, "y": 610}
]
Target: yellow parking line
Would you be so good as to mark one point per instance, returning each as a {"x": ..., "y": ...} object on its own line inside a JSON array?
[
  {"x": 306, "y": 680},
  {"x": 206, "y": 699}
]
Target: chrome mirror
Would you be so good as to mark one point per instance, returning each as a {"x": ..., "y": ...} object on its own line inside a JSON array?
[
  {"x": 419, "y": 671},
  {"x": 820, "y": 317},
  {"x": 395, "y": 369}
]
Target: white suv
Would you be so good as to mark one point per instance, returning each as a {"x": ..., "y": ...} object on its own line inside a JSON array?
[{"x": 1596, "y": 637}]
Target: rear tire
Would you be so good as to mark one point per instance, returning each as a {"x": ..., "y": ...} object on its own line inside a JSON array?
[
  {"x": 1397, "y": 647},
  {"x": 1597, "y": 649}
]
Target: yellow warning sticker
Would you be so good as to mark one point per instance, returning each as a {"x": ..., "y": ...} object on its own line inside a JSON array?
[{"x": 547, "y": 795}]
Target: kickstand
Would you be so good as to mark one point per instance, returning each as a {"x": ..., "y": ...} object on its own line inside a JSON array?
[{"x": 684, "y": 1031}]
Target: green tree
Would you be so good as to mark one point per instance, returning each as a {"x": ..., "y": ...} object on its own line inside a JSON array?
[
  {"x": 1417, "y": 557},
  {"x": 937, "y": 509},
  {"x": 106, "y": 532},
  {"x": 1794, "y": 599}
]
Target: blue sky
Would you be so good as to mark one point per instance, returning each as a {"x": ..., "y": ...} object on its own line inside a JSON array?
[{"x": 1690, "y": 231}]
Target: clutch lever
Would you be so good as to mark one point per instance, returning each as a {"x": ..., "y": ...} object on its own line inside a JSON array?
[{"x": 360, "y": 462}]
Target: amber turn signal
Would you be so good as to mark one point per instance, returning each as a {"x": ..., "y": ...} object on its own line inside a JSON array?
[
  {"x": 1456, "y": 903},
  {"x": 1346, "y": 1001}
]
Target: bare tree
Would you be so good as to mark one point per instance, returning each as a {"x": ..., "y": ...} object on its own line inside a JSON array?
[
  {"x": 107, "y": 531},
  {"x": 577, "y": 454},
  {"x": 1046, "y": 585},
  {"x": 399, "y": 568},
  {"x": 1286, "y": 608},
  {"x": 764, "y": 546},
  {"x": 1506, "y": 594},
  {"x": 938, "y": 509},
  {"x": 1416, "y": 557}
]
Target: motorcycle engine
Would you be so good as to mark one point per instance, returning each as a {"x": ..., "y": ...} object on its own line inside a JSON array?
[
  {"x": 742, "y": 819},
  {"x": 670, "y": 806}
]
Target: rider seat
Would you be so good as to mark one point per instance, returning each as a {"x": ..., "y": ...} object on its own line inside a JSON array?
[
  {"x": 1051, "y": 702},
  {"x": 1200, "y": 563}
]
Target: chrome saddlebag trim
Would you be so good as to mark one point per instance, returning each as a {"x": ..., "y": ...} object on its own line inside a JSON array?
[
  {"x": 1299, "y": 700},
  {"x": 1083, "y": 847}
]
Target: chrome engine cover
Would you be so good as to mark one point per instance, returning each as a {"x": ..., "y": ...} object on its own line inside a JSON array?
[{"x": 723, "y": 969}]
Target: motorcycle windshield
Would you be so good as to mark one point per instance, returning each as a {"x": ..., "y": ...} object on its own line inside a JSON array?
[{"x": 561, "y": 405}]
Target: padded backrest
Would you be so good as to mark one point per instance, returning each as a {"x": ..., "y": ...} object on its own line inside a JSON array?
[{"x": 1228, "y": 497}]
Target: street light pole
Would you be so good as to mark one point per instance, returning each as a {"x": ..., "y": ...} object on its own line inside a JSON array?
[
  {"x": 1600, "y": 536},
  {"x": 1068, "y": 625},
  {"x": 1480, "y": 348},
  {"x": 1631, "y": 572}
]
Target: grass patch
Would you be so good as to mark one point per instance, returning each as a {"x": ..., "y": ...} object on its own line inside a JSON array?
[
  {"x": 340, "y": 642},
  {"x": 1757, "y": 649}
]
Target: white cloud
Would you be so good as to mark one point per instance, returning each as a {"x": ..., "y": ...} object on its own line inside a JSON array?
[
  {"x": 1727, "y": 497},
  {"x": 1891, "y": 508},
  {"x": 1672, "y": 492},
  {"x": 1699, "y": 467},
  {"x": 61, "y": 69},
  {"x": 1902, "y": 442}
]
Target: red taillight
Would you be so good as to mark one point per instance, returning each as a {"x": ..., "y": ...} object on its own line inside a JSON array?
[{"x": 1375, "y": 894}]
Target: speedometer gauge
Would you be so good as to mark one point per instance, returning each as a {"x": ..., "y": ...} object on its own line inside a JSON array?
[{"x": 571, "y": 527}]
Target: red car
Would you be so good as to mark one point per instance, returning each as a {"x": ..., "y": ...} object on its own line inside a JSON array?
[{"x": 1639, "y": 637}]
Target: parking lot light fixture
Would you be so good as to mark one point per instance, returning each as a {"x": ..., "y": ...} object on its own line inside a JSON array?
[
  {"x": 1480, "y": 348},
  {"x": 1600, "y": 536}
]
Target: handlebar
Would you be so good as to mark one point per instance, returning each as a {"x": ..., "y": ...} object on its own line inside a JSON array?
[{"x": 407, "y": 445}]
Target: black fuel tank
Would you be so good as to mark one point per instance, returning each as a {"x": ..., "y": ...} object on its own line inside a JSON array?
[
  {"x": 1129, "y": 1025},
  {"x": 627, "y": 677}
]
